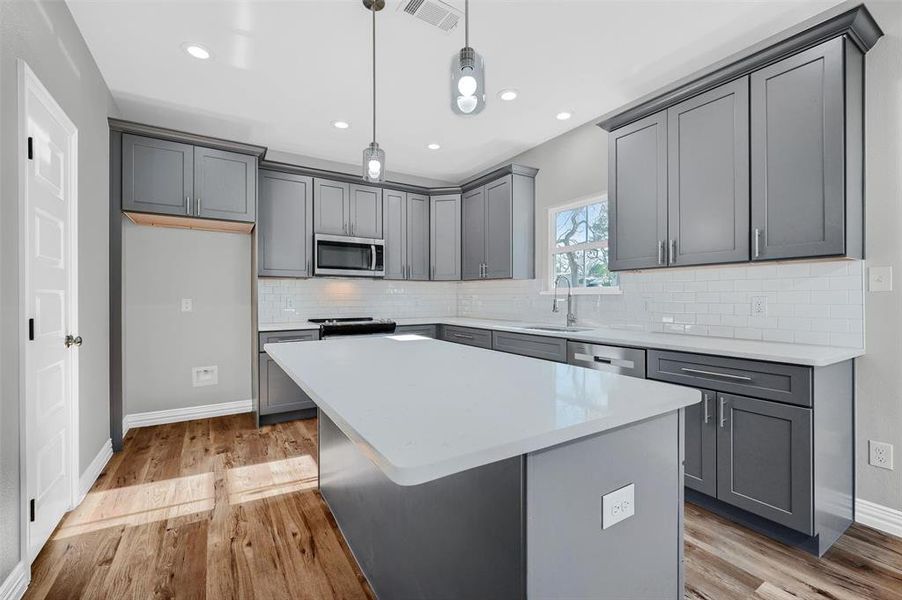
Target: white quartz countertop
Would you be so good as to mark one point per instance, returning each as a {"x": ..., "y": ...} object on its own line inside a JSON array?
[
  {"x": 422, "y": 409},
  {"x": 795, "y": 354}
]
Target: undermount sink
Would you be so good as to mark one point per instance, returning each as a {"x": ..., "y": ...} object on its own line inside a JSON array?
[{"x": 559, "y": 328}]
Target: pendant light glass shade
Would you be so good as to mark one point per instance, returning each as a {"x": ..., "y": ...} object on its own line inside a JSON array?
[
  {"x": 467, "y": 82},
  {"x": 373, "y": 163}
]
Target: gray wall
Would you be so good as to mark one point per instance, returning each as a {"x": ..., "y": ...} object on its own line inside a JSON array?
[
  {"x": 45, "y": 36},
  {"x": 879, "y": 379},
  {"x": 162, "y": 344}
]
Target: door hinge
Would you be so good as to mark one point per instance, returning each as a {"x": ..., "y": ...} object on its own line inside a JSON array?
[
  {"x": 30, "y": 148},
  {"x": 30, "y": 330},
  {"x": 31, "y": 511}
]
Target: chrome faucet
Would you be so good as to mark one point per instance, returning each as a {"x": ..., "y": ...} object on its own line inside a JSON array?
[{"x": 571, "y": 318}]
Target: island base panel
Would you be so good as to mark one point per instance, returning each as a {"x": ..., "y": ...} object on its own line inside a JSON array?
[{"x": 460, "y": 536}]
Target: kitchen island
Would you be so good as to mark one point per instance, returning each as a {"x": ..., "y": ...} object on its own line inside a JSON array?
[{"x": 458, "y": 472}]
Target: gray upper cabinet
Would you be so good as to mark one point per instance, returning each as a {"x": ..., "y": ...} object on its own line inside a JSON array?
[
  {"x": 764, "y": 459},
  {"x": 172, "y": 178},
  {"x": 284, "y": 225},
  {"x": 700, "y": 461},
  {"x": 798, "y": 155},
  {"x": 157, "y": 176},
  {"x": 708, "y": 171},
  {"x": 225, "y": 185},
  {"x": 331, "y": 207},
  {"x": 498, "y": 238},
  {"x": 637, "y": 194},
  {"x": 394, "y": 226},
  {"x": 444, "y": 237},
  {"x": 365, "y": 211},
  {"x": 417, "y": 237},
  {"x": 473, "y": 234}
]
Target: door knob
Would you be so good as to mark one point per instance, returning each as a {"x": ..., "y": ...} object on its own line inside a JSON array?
[{"x": 73, "y": 341}]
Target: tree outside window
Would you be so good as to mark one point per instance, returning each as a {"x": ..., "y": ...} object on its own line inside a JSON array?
[{"x": 579, "y": 244}]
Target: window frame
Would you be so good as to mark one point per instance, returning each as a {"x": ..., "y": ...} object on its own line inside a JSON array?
[{"x": 552, "y": 248}]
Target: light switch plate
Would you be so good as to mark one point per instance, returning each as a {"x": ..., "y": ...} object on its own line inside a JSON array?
[
  {"x": 618, "y": 505},
  {"x": 187, "y": 305},
  {"x": 880, "y": 279},
  {"x": 201, "y": 376}
]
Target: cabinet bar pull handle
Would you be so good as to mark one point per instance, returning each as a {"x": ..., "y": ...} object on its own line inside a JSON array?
[
  {"x": 198, "y": 206},
  {"x": 705, "y": 400},
  {"x": 716, "y": 374},
  {"x": 723, "y": 416},
  {"x": 188, "y": 204},
  {"x": 672, "y": 254},
  {"x": 757, "y": 242},
  {"x": 308, "y": 267},
  {"x": 660, "y": 252},
  {"x": 463, "y": 336}
]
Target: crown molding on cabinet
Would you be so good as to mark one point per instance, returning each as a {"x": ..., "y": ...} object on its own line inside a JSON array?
[
  {"x": 856, "y": 23},
  {"x": 174, "y": 135}
]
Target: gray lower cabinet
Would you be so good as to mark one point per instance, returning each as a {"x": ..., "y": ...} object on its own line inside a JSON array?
[
  {"x": 444, "y": 237},
  {"x": 171, "y": 178},
  {"x": 157, "y": 176},
  {"x": 225, "y": 185},
  {"x": 277, "y": 392},
  {"x": 331, "y": 207},
  {"x": 405, "y": 225},
  {"x": 764, "y": 459},
  {"x": 430, "y": 331},
  {"x": 637, "y": 194},
  {"x": 470, "y": 336},
  {"x": 284, "y": 225},
  {"x": 708, "y": 171},
  {"x": 535, "y": 346},
  {"x": 700, "y": 466},
  {"x": 798, "y": 154}
]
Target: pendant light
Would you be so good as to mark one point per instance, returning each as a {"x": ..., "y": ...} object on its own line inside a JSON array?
[
  {"x": 467, "y": 75},
  {"x": 373, "y": 155}
]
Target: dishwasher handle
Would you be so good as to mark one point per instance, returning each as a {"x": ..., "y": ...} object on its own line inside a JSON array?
[{"x": 616, "y": 362}]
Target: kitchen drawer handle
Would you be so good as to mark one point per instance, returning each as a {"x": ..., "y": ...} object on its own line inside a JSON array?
[
  {"x": 716, "y": 374},
  {"x": 617, "y": 362},
  {"x": 280, "y": 340},
  {"x": 463, "y": 336}
]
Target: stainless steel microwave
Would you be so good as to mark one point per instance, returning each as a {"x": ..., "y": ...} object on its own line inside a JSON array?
[{"x": 348, "y": 256}]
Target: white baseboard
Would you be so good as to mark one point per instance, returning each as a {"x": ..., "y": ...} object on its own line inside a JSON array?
[
  {"x": 15, "y": 585},
  {"x": 87, "y": 479},
  {"x": 887, "y": 520},
  {"x": 160, "y": 417}
]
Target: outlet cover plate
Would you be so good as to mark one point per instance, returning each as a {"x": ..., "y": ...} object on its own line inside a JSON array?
[
  {"x": 187, "y": 305},
  {"x": 618, "y": 505},
  {"x": 880, "y": 454},
  {"x": 759, "y": 306},
  {"x": 203, "y": 376}
]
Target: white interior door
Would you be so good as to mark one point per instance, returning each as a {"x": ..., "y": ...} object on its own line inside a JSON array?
[{"x": 48, "y": 262}]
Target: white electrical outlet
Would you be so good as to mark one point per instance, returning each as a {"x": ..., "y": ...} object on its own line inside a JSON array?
[
  {"x": 201, "y": 376},
  {"x": 187, "y": 305},
  {"x": 880, "y": 454},
  {"x": 759, "y": 306},
  {"x": 880, "y": 279},
  {"x": 618, "y": 505}
]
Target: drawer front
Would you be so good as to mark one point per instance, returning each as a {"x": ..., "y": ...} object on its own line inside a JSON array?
[
  {"x": 770, "y": 381},
  {"x": 481, "y": 338},
  {"x": 272, "y": 337},
  {"x": 278, "y": 392},
  {"x": 430, "y": 331},
  {"x": 536, "y": 346}
]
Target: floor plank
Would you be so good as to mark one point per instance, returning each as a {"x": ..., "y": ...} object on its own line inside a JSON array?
[{"x": 218, "y": 509}]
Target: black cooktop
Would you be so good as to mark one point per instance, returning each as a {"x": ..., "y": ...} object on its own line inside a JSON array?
[{"x": 353, "y": 326}]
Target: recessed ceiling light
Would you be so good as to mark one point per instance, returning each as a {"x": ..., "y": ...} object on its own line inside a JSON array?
[
  {"x": 563, "y": 115},
  {"x": 340, "y": 124},
  {"x": 433, "y": 146},
  {"x": 508, "y": 95},
  {"x": 197, "y": 51}
]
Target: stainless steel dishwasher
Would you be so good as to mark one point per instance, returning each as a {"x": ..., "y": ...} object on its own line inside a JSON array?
[{"x": 611, "y": 359}]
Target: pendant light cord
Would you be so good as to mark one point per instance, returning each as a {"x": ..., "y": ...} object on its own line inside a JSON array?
[
  {"x": 374, "y": 69},
  {"x": 466, "y": 23}
]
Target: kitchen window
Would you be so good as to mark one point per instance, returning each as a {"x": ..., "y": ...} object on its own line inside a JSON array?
[{"x": 578, "y": 235}]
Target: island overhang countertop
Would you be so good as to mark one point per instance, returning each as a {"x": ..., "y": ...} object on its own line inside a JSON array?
[{"x": 423, "y": 409}]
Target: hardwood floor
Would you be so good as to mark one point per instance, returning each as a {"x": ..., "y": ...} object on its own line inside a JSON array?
[{"x": 218, "y": 509}]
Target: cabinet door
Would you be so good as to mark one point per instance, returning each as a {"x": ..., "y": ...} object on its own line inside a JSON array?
[
  {"x": 798, "y": 155},
  {"x": 394, "y": 226},
  {"x": 444, "y": 237},
  {"x": 637, "y": 193},
  {"x": 764, "y": 459},
  {"x": 473, "y": 234},
  {"x": 331, "y": 207},
  {"x": 157, "y": 176},
  {"x": 366, "y": 211},
  {"x": 708, "y": 168},
  {"x": 701, "y": 445},
  {"x": 417, "y": 237},
  {"x": 284, "y": 225},
  {"x": 498, "y": 234},
  {"x": 225, "y": 185},
  {"x": 278, "y": 392}
]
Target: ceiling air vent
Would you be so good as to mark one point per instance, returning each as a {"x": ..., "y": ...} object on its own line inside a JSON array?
[{"x": 435, "y": 12}]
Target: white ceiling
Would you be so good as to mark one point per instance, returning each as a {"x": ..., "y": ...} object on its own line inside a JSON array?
[{"x": 283, "y": 70}]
